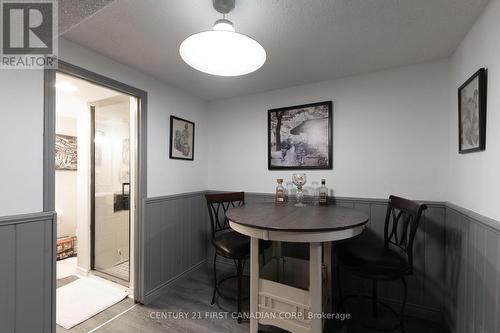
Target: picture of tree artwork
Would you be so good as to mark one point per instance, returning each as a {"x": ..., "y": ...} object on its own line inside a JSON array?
[
  {"x": 66, "y": 152},
  {"x": 300, "y": 137}
]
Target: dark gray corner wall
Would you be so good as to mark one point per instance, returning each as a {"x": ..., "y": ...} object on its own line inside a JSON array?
[
  {"x": 472, "y": 272},
  {"x": 426, "y": 286},
  {"x": 175, "y": 238},
  {"x": 27, "y": 273}
]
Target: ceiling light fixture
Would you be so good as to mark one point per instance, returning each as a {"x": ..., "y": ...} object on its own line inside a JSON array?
[
  {"x": 66, "y": 86},
  {"x": 223, "y": 51}
]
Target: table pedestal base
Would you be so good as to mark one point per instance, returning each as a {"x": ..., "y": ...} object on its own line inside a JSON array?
[
  {"x": 280, "y": 305},
  {"x": 274, "y": 303}
]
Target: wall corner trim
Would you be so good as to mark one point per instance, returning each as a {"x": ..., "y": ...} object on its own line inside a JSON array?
[
  {"x": 27, "y": 218},
  {"x": 487, "y": 221}
]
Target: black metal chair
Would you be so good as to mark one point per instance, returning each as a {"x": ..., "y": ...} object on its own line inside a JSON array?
[
  {"x": 369, "y": 257},
  {"x": 228, "y": 243}
]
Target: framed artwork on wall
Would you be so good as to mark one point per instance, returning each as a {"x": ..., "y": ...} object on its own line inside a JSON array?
[
  {"x": 301, "y": 137},
  {"x": 472, "y": 113},
  {"x": 181, "y": 139},
  {"x": 66, "y": 152}
]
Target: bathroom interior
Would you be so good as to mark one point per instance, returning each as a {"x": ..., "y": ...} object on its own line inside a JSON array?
[{"x": 94, "y": 181}]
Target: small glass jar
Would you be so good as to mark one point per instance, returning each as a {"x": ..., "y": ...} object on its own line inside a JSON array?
[{"x": 280, "y": 197}]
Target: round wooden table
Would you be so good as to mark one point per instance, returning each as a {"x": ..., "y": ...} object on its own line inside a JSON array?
[{"x": 273, "y": 303}]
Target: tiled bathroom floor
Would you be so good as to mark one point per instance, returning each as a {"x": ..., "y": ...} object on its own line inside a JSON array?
[{"x": 120, "y": 271}]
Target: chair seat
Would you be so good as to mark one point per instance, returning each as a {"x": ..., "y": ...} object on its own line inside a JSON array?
[
  {"x": 232, "y": 244},
  {"x": 366, "y": 256}
]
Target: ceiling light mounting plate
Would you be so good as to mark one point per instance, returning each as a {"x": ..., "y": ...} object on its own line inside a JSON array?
[{"x": 224, "y": 6}]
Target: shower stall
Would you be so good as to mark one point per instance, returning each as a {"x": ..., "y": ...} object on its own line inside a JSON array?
[{"x": 110, "y": 187}]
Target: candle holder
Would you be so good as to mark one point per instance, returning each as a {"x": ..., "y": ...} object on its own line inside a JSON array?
[{"x": 299, "y": 179}]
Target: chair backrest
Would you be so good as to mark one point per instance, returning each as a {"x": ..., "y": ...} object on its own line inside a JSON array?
[
  {"x": 218, "y": 204},
  {"x": 401, "y": 224}
]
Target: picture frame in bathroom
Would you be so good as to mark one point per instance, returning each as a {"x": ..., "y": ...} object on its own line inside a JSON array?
[{"x": 66, "y": 152}]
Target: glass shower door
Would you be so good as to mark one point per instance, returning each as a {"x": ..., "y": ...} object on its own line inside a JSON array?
[{"x": 111, "y": 188}]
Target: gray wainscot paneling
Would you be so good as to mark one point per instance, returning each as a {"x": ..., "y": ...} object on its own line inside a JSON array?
[
  {"x": 457, "y": 256},
  {"x": 175, "y": 238},
  {"x": 472, "y": 277},
  {"x": 27, "y": 274}
]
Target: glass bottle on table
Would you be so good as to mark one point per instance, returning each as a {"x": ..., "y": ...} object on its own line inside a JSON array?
[
  {"x": 280, "y": 192},
  {"x": 323, "y": 193}
]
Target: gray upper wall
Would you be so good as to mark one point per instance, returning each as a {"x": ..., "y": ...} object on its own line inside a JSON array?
[
  {"x": 385, "y": 97},
  {"x": 473, "y": 179},
  {"x": 390, "y": 135},
  {"x": 21, "y": 170}
]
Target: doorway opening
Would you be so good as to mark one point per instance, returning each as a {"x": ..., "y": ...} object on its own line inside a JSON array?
[
  {"x": 95, "y": 162},
  {"x": 96, "y": 186}
]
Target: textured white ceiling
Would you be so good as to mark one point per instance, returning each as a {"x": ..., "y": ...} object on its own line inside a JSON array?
[
  {"x": 306, "y": 40},
  {"x": 72, "y": 12}
]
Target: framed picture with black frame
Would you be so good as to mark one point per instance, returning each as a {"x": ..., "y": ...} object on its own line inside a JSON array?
[
  {"x": 181, "y": 139},
  {"x": 472, "y": 113},
  {"x": 301, "y": 137}
]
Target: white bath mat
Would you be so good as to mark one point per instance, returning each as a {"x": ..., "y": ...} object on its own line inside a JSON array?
[
  {"x": 84, "y": 298},
  {"x": 66, "y": 267}
]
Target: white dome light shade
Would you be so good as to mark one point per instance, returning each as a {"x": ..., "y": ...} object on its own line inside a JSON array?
[{"x": 223, "y": 53}]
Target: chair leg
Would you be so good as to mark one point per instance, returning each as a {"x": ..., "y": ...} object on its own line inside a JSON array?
[
  {"x": 340, "y": 303},
  {"x": 215, "y": 278},
  {"x": 375, "y": 298},
  {"x": 240, "y": 276},
  {"x": 263, "y": 255},
  {"x": 405, "y": 296}
]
